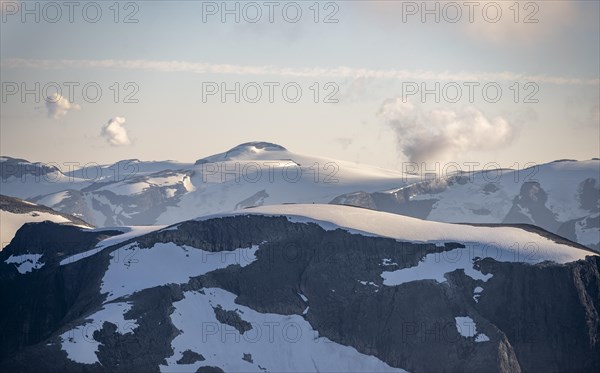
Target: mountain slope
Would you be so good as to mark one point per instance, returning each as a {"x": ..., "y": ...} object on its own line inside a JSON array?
[
  {"x": 304, "y": 288},
  {"x": 499, "y": 242},
  {"x": 15, "y": 212},
  {"x": 562, "y": 197},
  {"x": 145, "y": 193}
]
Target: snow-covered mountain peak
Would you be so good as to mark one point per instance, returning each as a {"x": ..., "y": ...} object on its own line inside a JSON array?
[
  {"x": 128, "y": 161},
  {"x": 246, "y": 151},
  {"x": 258, "y": 145}
]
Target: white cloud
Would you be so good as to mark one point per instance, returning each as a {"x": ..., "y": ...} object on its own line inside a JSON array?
[
  {"x": 115, "y": 133},
  {"x": 443, "y": 134},
  {"x": 58, "y": 106},
  {"x": 341, "y": 72}
]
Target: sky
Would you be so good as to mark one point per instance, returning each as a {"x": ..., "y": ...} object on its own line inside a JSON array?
[{"x": 374, "y": 82}]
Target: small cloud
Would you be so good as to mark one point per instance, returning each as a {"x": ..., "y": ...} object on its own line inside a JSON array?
[
  {"x": 58, "y": 106},
  {"x": 115, "y": 133},
  {"x": 443, "y": 134}
]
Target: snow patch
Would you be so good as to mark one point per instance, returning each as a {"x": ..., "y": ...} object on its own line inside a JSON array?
[
  {"x": 370, "y": 283},
  {"x": 477, "y": 293},
  {"x": 304, "y": 298},
  {"x": 128, "y": 233},
  {"x": 170, "y": 192},
  {"x": 133, "y": 269},
  {"x": 187, "y": 184},
  {"x": 465, "y": 326},
  {"x": 388, "y": 262},
  {"x": 277, "y": 343},
  {"x": 481, "y": 338},
  {"x": 79, "y": 343},
  {"x": 25, "y": 263},
  {"x": 434, "y": 266}
]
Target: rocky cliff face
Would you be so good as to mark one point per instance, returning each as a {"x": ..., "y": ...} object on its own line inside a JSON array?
[
  {"x": 521, "y": 317},
  {"x": 38, "y": 302}
]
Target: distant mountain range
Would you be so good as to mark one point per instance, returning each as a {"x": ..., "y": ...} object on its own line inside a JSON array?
[{"x": 562, "y": 197}]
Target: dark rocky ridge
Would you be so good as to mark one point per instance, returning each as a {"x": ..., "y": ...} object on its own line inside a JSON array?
[
  {"x": 54, "y": 241},
  {"x": 190, "y": 357},
  {"x": 232, "y": 318},
  {"x": 532, "y": 199},
  {"x": 529, "y": 312},
  {"x": 18, "y": 206}
]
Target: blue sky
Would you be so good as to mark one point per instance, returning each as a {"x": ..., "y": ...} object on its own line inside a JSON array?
[{"x": 368, "y": 57}]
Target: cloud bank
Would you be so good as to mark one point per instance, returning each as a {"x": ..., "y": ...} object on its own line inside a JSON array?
[{"x": 299, "y": 72}]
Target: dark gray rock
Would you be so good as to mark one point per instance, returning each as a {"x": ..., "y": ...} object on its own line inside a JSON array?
[
  {"x": 190, "y": 357},
  {"x": 209, "y": 369},
  {"x": 529, "y": 207},
  {"x": 232, "y": 318},
  {"x": 589, "y": 195}
]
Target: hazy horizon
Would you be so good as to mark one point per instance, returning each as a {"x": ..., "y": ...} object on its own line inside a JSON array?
[{"x": 68, "y": 163}]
